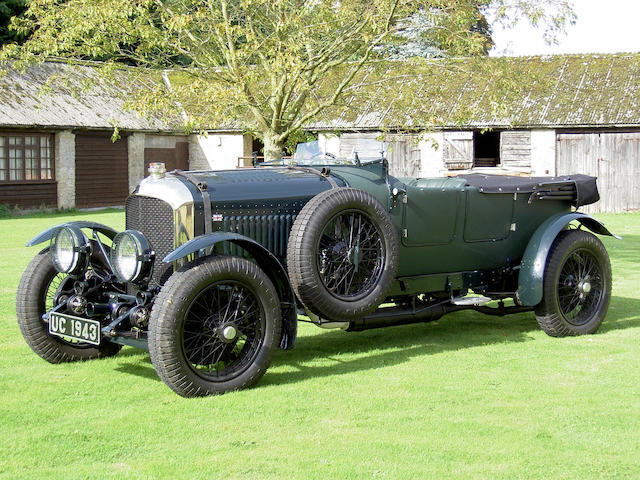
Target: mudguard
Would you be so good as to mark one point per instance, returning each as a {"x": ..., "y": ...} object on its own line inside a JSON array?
[
  {"x": 51, "y": 232},
  {"x": 265, "y": 260},
  {"x": 535, "y": 256}
]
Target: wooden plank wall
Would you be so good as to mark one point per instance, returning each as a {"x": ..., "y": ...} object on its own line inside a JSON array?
[
  {"x": 515, "y": 149},
  {"x": 32, "y": 194},
  {"x": 102, "y": 167},
  {"x": 173, "y": 158},
  {"x": 404, "y": 154},
  {"x": 457, "y": 150},
  {"x": 612, "y": 157}
]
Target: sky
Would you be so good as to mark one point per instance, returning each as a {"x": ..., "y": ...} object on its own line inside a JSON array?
[{"x": 607, "y": 26}]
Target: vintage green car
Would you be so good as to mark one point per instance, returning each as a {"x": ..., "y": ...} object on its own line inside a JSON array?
[{"x": 216, "y": 268}]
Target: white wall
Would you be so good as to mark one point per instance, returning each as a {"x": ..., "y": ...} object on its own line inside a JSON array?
[
  {"x": 431, "y": 148},
  {"x": 543, "y": 152},
  {"x": 215, "y": 151}
]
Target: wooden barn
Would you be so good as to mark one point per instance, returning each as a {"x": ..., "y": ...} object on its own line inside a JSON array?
[
  {"x": 579, "y": 114},
  {"x": 56, "y": 146},
  {"x": 582, "y": 116}
]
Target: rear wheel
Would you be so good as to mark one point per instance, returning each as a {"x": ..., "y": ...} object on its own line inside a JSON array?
[
  {"x": 577, "y": 285},
  {"x": 214, "y": 326},
  {"x": 37, "y": 288}
]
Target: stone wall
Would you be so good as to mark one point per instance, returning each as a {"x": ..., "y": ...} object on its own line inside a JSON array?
[{"x": 65, "y": 154}]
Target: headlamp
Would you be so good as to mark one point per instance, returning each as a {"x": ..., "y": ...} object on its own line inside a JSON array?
[
  {"x": 70, "y": 250},
  {"x": 131, "y": 257}
]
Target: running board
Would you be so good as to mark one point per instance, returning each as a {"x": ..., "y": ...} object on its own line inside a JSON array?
[{"x": 469, "y": 301}]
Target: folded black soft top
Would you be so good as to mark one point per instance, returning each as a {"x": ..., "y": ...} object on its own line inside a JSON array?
[{"x": 580, "y": 189}]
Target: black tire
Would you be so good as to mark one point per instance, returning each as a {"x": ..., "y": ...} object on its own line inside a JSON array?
[
  {"x": 326, "y": 270},
  {"x": 186, "y": 339},
  {"x": 577, "y": 285},
  {"x": 37, "y": 286}
]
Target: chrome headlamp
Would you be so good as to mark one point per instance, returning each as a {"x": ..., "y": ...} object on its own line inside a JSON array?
[
  {"x": 70, "y": 250},
  {"x": 131, "y": 257}
]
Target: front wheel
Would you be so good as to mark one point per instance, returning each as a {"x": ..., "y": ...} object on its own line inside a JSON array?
[
  {"x": 214, "y": 326},
  {"x": 37, "y": 288},
  {"x": 577, "y": 285}
]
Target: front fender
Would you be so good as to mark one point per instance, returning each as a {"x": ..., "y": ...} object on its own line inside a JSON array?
[
  {"x": 51, "y": 232},
  {"x": 530, "y": 278},
  {"x": 266, "y": 260}
]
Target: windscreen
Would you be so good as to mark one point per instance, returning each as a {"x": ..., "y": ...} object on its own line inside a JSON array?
[{"x": 363, "y": 151}]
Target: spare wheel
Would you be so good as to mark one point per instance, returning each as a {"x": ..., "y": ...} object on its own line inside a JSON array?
[{"x": 342, "y": 255}]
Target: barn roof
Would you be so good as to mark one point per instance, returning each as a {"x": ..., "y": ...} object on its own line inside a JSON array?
[
  {"x": 597, "y": 90},
  {"x": 571, "y": 91},
  {"x": 81, "y": 99}
]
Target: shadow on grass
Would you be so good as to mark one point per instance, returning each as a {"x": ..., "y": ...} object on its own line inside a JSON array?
[
  {"x": 396, "y": 345},
  {"x": 623, "y": 313},
  {"x": 452, "y": 332}
]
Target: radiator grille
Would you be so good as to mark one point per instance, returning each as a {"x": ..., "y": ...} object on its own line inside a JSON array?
[
  {"x": 154, "y": 218},
  {"x": 271, "y": 231}
]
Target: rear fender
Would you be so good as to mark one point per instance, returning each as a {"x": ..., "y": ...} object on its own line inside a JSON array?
[
  {"x": 51, "y": 232},
  {"x": 265, "y": 260},
  {"x": 535, "y": 256}
]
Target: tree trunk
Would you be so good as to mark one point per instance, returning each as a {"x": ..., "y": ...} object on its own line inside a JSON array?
[{"x": 273, "y": 146}]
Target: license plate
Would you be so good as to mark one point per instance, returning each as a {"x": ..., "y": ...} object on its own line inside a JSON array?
[{"x": 74, "y": 328}]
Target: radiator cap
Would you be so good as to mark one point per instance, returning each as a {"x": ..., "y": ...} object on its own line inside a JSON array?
[{"x": 157, "y": 170}]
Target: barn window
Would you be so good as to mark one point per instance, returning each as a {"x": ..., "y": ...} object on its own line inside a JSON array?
[
  {"x": 26, "y": 157},
  {"x": 486, "y": 149}
]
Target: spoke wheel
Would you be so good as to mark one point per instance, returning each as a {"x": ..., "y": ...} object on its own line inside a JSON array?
[
  {"x": 580, "y": 287},
  {"x": 39, "y": 285},
  {"x": 342, "y": 255},
  {"x": 350, "y": 255},
  {"x": 214, "y": 326},
  {"x": 223, "y": 330},
  {"x": 577, "y": 285}
]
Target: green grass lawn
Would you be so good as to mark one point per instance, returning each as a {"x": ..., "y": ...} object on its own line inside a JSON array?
[{"x": 468, "y": 396}]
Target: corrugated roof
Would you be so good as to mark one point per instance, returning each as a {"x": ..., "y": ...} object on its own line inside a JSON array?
[
  {"x": 546, "y": 91},
  {"x": 26, "y": 100}
]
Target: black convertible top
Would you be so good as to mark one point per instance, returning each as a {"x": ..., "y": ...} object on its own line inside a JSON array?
[{"x": 580, "y": 189}]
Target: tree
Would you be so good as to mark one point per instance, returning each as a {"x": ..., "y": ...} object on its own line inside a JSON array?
[
  {"x": 267, "y": 66},
  {"x": 416, "y": 36},
  {"x": 9, "y": 9}
]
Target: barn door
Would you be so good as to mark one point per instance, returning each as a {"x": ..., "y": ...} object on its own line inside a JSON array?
[
  {"x": 612, "y": 157},
  {"x": 515, "y": 149},
  {"x": 170, "y": 150},
  {"x": 102, "y": 171},
  {"x": 404, "y": 156},
  {"x": 458, "y": 150}
]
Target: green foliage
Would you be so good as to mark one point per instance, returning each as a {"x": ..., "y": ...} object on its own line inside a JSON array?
[
  {"x": 469, "y": 396},
  {"x": 267, "y": 66},
  {"x": 5, "y": 211},
  {"x": 299, "y": 136},
  {"x": 9, "y": 9}
]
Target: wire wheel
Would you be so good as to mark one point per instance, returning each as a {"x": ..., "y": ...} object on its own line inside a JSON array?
[
  {"x": 223, "y": 330},
  {"x": 39, "y": 285},
  {"x": 214, "y": 326},
  {"x": 350, "y": 255},
  {"x": 576, "y": 285},
  {"x": 342, "y": 255},
  {"x": 580, "y": 287},
  {"x": 51, "y": 290}
]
